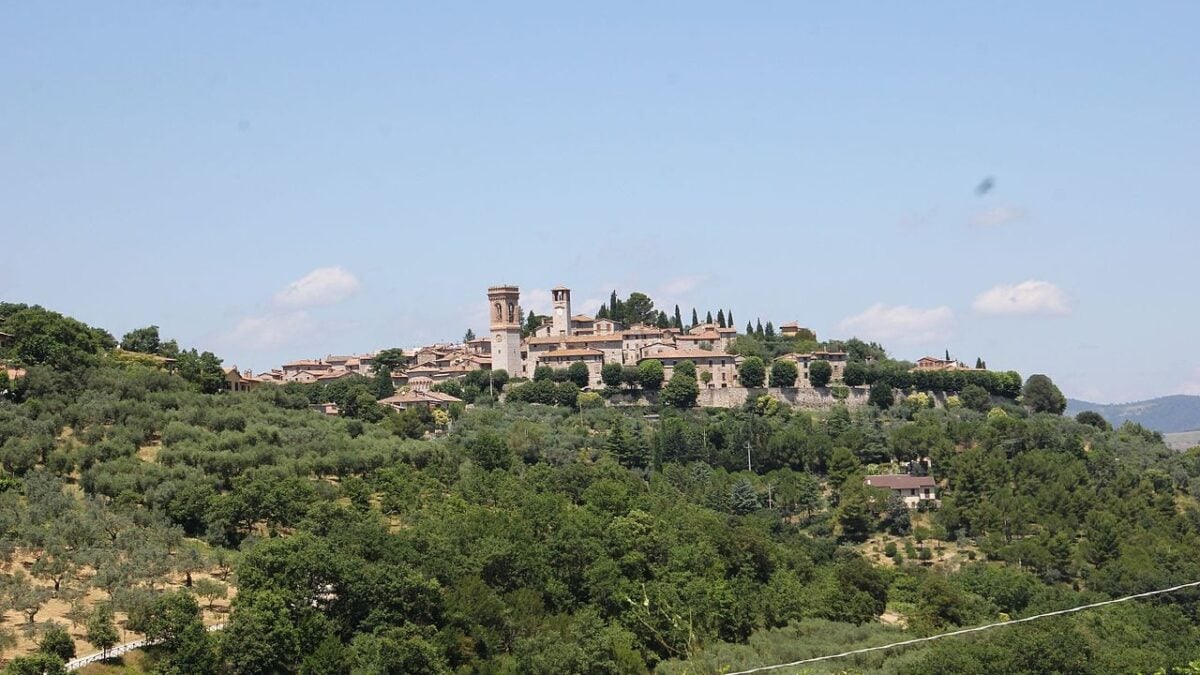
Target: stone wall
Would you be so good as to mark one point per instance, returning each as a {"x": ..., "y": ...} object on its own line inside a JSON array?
[{"x": 805, "y": 398}]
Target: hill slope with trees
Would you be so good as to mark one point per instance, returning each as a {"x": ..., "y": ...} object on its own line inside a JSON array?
[{"x": 528, "y": 538}]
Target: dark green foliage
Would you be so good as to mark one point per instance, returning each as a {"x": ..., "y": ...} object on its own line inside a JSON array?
[
  {"x": 144, "y": 340},
  {"x": 540, "y": 538},
  {"x": 1041, "y": 395},
  {"x": 784, "y": 373},
  {"x": 610, "y": 374},
  {"x": 650, "y": 374},
  {"x": 681, "y": 391},
  {"x": 881, "y": 395},
  {"x": 36, "y": 664},
  {"x": 1093, "y": 419},
  {"x": 57, "y": 641},
  {"x": 578, "y": 373},
  {"x": 819, "y": 373},
  {"x": 752, "y": 372},
  {"x": 976, "y": 398}
]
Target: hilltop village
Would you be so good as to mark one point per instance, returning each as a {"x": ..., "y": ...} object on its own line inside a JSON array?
[{"x": 521, "y": 345}]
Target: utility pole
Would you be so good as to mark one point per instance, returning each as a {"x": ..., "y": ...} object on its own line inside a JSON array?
[{"x": 749, "y": 467}]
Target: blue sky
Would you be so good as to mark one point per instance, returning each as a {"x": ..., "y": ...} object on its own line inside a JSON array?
[{"x": 188, "y": 164}]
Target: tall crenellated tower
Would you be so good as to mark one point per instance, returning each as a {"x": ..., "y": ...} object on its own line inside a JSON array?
[
  {"x": 505, "y": 311},
  {"x": 561, "y": 321}
]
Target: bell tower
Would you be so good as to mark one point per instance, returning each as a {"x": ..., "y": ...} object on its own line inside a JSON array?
[
  {"x": 505, "y": 311},
  {"x": 561, "y": 321}
]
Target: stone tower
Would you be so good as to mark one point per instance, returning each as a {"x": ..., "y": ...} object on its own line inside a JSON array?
[
  {"x": 505, "y": 311},
  {"x": 561, "y": 320}
]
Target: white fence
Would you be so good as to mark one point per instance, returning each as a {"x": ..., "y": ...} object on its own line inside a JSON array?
[{"x": 118, "y": 650}]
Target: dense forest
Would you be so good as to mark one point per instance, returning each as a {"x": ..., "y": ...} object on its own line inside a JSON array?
[{"x": 516, "y": 537}]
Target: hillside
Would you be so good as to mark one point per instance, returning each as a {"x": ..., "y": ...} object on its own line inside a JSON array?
[{"x": 1167, "y": 414}]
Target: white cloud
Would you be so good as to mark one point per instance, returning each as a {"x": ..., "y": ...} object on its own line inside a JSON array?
[
  {"x": 270, "y": 330},
  {"x": 1001, "y": 215},
  {"x": 1027, "y": 297},
  {"x": 322, "y": 286},
  {"x": 900, "y": 323}
]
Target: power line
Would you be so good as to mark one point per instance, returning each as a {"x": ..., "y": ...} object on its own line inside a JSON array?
[{"x": 964, "y": 631}]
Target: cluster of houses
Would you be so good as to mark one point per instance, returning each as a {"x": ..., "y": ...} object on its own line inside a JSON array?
[{"x": 563, "y": 339}]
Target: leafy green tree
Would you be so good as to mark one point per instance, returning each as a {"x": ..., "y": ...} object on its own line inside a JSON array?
[
  {"x": 202, "y": 369},
  {"x": 819, "y": 373},
  {"x": 752, "y": 372},
  {"x": 784, "y": 373},
  {"x": 260, "y": 636},
  {"x": 1041, "y": 395},
  {"x": 488, "y": 450},
  {"x": 1093, "y": 419},
  {"x": 855, "y": 374},
  {"x": 101, "y": 631},
  {"x": 57, "y": 641},
  {"x": 638, "y": 309},
  {"x": 469, "y": 336},
  {"x": 687, "y": 367},
  {"x": 391, "y": 359},
  {"x": 543, "y": 374},
  {"x": 842, "y": 466},
  {"x": 211, "y": 590},
  {"x": 881, "y": 395},
  {"x": 36, "y": 664},
  {"x": 610, "y": 374},
  {"x": 743, "y": 499},
  {"x": 681, "y": 391},
  {"x": 144, "y": 340},
  {"x": 650, "y": 374},
  {"x": 976, "y": 398},
  {"x": 578, "y": 373}
]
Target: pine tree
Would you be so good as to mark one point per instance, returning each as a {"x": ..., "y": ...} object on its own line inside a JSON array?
[
  {"x": 678, "y": 319},
  {"x": 663, "y": 321},
  {"x": 695, "y": 319},
  {"x": 743, "y": 499},
  {"x": 720, "y": 318},
  {"x": 469, "y": 336}
]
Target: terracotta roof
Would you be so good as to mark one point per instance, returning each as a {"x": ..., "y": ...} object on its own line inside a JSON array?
[
  {"x": 583, "y": 318},
  {"x": 571, "y": 353},
  {"x": 901, "y": 482},
  {"x": 699, "y": 337},
  {"x": 304, "y": 363},
  {"x": 420, "y": 397},
  {"x": 568, "y": 339},
  {"x": 791, "y": 324},
  {"x": 687, "y": 354}
]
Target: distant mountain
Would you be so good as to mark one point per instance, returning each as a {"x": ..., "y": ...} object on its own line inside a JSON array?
[{"x": 1168, "y": 414}]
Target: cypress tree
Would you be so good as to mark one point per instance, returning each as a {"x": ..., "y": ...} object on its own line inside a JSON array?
[
  {"x": 758, "y": 329},
  {"x": 678, "y": 318},
  {"x": 721, "y": 318},
  {"x": 770, "y": 332},
  {"x": 708, "y": 318},
  {"x": 695, "y": 318},
  {"x": 729, "y": 319},
  {"x": 749, "y": 329}
]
